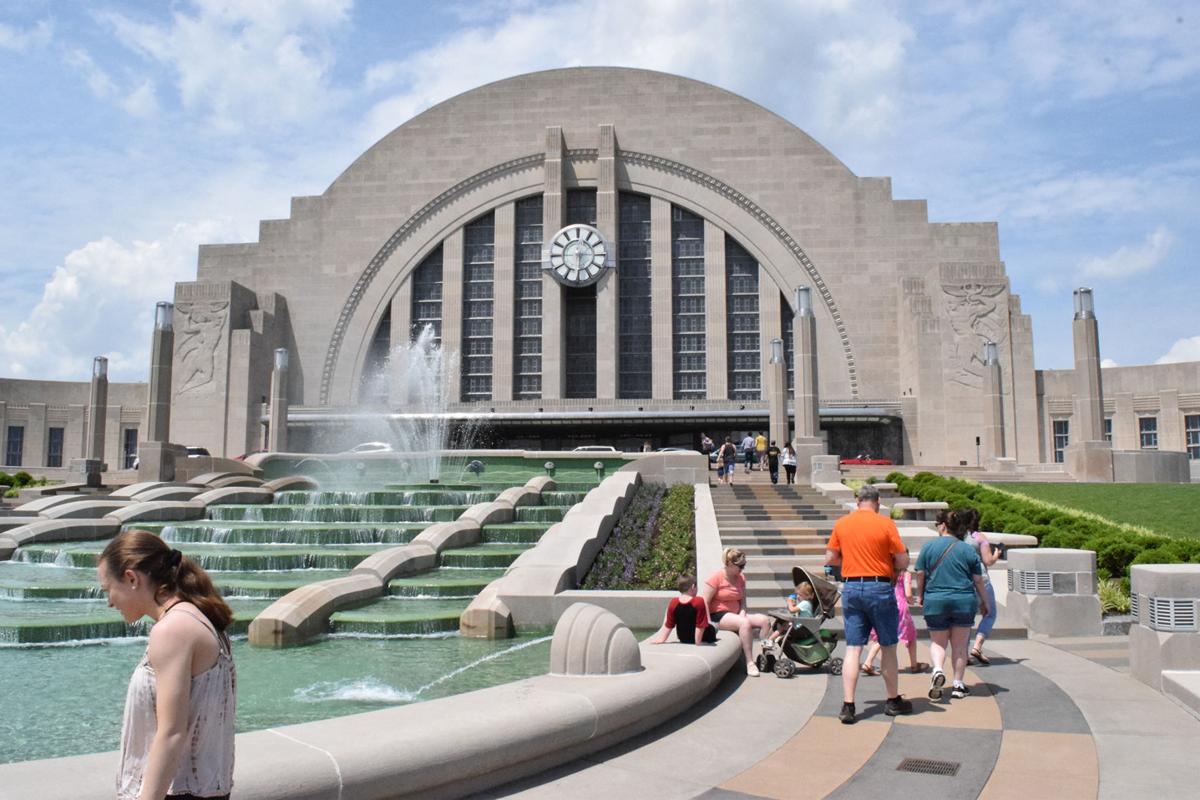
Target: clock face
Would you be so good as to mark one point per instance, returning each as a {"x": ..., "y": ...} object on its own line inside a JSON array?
[{"x": 578, "y": 255}]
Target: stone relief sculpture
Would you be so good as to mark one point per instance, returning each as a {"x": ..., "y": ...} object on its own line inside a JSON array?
[
  {"x": 972, "y": 309},
  {"x": 199, "y": 335}
]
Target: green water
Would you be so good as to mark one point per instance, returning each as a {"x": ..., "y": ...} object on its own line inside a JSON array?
[{"x": 48, "y": 712}]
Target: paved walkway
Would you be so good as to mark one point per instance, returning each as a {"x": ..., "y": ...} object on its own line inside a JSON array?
[
  {"x": 1048, "y": 718},
  {"x": 1041, "y": 722}
]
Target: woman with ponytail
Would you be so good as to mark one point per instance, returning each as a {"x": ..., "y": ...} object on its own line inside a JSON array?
[{"x": 177, "y": 734}]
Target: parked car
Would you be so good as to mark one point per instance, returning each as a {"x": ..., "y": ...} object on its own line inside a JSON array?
[
  {"x": 596, "y": 448},
  {"x": 371, "y": 447},
  {"x": 676, "y": 450},
  {"x": 197, "y": 452}
]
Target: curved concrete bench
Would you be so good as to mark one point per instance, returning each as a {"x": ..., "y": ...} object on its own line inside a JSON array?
[
  {"x": 292, "y": 483},
  {"x": 63, "y": 530},
  {"x": 235, "y": 480},
  {"x": 85, "y": 509},
  {"x": 157, "y": 511},
  {"x": 448, "y": 747},
  {"x": 8, "y": 523},
  {"x": 235, "y": 495},
  {"x": 302, "y": 614},
  {"x": 168, "y": 493},
  {"x": 134, "y": 488},
  {"x": 207, "y": 478},
  {"x": 43, "y": 503}
]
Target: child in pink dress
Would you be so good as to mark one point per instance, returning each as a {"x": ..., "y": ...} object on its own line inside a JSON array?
[{"x": 908, "y": 630}]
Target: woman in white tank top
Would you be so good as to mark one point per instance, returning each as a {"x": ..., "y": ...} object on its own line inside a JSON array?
[{"x": 178, "y": 729}]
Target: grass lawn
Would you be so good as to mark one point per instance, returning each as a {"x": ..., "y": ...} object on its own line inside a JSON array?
[{"x": 1170, "y": 509}]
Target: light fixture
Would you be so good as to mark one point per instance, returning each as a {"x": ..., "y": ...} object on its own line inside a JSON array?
[
  {"x": 1085, "y": 304},
  {"x": 281, "y": 358},
  {"x": 991, "y": 354},
  {"x": 100, "y": 367},
  {"x": 803, "y": 301},
  {"x": 776, "y": 352},
  {"x": 162, "y": 316}
]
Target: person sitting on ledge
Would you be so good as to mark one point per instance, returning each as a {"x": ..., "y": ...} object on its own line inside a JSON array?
[
  {"x": 687, "y": 615},
  {"x": 725, "y": 593}
]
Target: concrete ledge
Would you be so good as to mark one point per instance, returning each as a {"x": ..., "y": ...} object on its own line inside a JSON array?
[
  {"x": 206, "y": 479},
  {"x": 235, "y": 495},
  {"x": 541, "y": 483},
  {"x": 7, "y": 548},
  {"x": 157, "y": 511},
  {"x": 920, "y": 510},
  {"x": 425, "y": 749},
  {"x": 64, "y": 530},
  {"x": 133, "y": 488},
  {"x": 44, "y": 503},
  {"x": 292, "y": 483},
  {"x": 1184, "y": 687},
  {"x": 304, "y": 613},
  {"x": 446, "y": 535},
  {"x": 493, "y": 513},
  {"x": 167, "y": 493},
  {"x": 396, "y": 561},
  {"x": 235, "y": 480},
  {"x": 8, "y": 523},
  {"x": 519, "y": 496},
  {"x": 85, "y": 509},
  {"x": 837, "y": 492},
  {"x": 708, "y": 535}
]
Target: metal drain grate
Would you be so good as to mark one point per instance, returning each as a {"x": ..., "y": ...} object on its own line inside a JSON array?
[{"x": 927, "y": 766}]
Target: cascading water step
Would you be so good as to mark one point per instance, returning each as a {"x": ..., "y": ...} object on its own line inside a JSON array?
[
  {"x": 61, "y": 621},
  {"x": 217, "y": 557},
  {"x": 392, "y": 497},
  {"x": 399, "y": 617},
  {"x": 445, "y": 583},
  {"x": 486, "y": 555},
  {"x": 540, "y": 513},
  {"x": 289, "y": 533},
  {"x": 311, "y": 513},
  {"x": 514, "y": 532}
]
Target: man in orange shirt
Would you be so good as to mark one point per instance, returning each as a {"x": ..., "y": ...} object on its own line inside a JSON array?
[{"x": 867, "y": 546}]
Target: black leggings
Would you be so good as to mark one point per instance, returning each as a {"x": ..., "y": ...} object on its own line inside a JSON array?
[
  {"x": 194, "y": 797},
  {"x": 791, "y": 472}
]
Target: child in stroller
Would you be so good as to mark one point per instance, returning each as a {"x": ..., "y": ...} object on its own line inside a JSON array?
[{"x": 801, "y": 639}]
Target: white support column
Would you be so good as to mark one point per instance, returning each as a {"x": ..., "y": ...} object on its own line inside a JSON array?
[
  {"x": 162, "y": 351},
  {"x": 503, "y": 304},
  {"x": 716, "y": 313},
  {"x": 1088, "y": 456},
  {"x": 607, "y": 290},
  {"x": 554, "y": 199},
  {"x": 663, "y": 365},
  {"x": 277, "y": 432}
]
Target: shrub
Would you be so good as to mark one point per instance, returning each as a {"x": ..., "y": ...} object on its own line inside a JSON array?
[
  {"x": 1158, "y": 555},
  {"x": 22, "y": 479},
  {"x": 652, "y": 543},
  {"x": 1114, "y": 555},
  {"x": 673, "y": 549},
  {"x": 1114, "y": 598},
  {"x": 6, "y": 479}
]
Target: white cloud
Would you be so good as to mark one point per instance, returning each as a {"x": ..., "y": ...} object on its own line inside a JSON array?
[
  {"x": 100, "y": 301},
  {"x": 1187, "y": 349},
  {"x": 98, "y": 81},
  {"x": 242, "y": 64},
  {"x": 142, "y": 101},
  {"x": 21, "y": 40},
  {"x": 1108, "y": 363},
  {"x": 1128, "y": 261},
  {"x": 839, "y": 63}
]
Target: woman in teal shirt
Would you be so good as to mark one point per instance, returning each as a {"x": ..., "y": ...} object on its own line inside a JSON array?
[{"x": 949, "y": 584}]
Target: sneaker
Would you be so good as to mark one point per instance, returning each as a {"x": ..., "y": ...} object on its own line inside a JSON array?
[
  {"x": 846, "y": 715},
  {"x": 959, "y": 691},
  {"x": 897, "y": 705},
  {"x": 752, "y": 670},
  {"x": 936, "y": 683}
]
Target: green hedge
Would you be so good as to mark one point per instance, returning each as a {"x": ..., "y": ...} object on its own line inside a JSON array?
[{"x": 1116, "y": 546}]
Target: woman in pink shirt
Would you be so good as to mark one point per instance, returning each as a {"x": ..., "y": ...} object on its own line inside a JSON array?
[{"x": 725, "y": 594}]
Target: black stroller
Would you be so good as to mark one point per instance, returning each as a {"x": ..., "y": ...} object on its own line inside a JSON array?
[{"x": 804, "y": 641}]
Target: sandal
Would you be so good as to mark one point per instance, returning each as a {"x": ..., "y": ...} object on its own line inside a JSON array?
[
  {"x": 918, "y": 668},
  {"x": 980, "y": 657},
  {"x": 869, "y": 669}
]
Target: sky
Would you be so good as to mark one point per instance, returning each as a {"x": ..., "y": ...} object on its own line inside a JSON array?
[{"x": 133, "y": 132}]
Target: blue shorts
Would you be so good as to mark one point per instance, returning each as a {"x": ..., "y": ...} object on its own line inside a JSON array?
[
  {"x": 955, "y": 611},
  {"x": 867, "y": 605}
]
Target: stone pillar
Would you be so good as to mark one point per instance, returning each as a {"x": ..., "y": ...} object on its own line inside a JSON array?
[
  {"x": 277, "y": 433},
  {"x": 554, "y": 199},
  {"x": 503, "y": 304},
  {"x": 88, "y": 468},
  {"x": 97, "y": 410},
  {"x": 777, "y": 426},
  {"x": 607, "y": 290},
  {"x": 808, "y": 442},
  {"x": 822, "y": 469},
  {"x": 452, "y": 315},
  {"x": 162, "y": 351},
  {"x": 1170, "y": 422},
  {"x": 993, "y": 406},
  {"x": 716, "y": 312},
  {"x": 1088, "y": 457},
  {"x": 35, "y": 436},
  {"x": 1165, "y": 636},
  {"x": 1052, "y": 591},
  {"x": 662, "y": 333}
]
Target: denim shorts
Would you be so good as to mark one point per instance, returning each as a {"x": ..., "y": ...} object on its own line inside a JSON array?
[
  {"x": 943, "y": 613},
  {"x": 867, "y": 605},
  {"x": 954, "y": 619}
]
